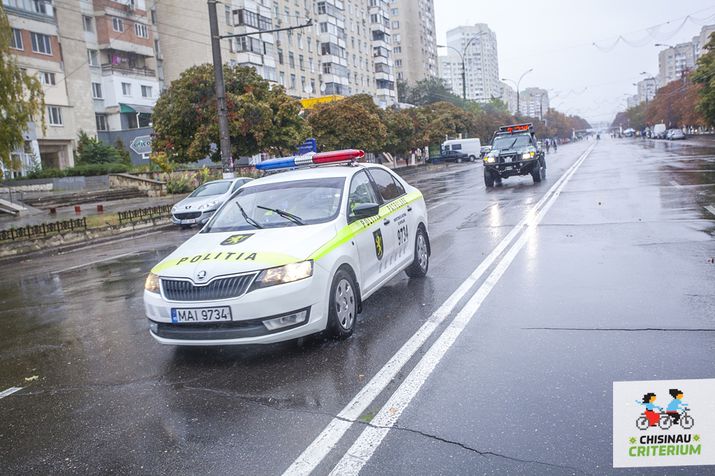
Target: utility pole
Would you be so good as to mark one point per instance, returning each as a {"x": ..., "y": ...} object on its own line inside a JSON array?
[
  {"x": 225, "y": 139},
  {"x": 224, "y": 136}
]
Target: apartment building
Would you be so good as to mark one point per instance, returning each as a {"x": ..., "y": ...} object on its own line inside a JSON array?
[
  {"x": 42, "y": 50},
  {"x": 534, "y": 102},
  {"x": 476, "y": 46},
  {"x": 508, "y": 95},
  {"x": 673, "y": 62},
  {"x": 414, "y": 40},
  {"x": 646, "y": 89}
]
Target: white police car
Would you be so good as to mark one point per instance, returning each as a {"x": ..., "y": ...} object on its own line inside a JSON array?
[{"x": 290, "y": 254}]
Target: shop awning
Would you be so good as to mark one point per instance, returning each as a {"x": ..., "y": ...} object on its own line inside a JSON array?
[{"x": 135, "y": 108}]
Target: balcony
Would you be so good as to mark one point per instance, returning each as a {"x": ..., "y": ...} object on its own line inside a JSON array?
[{"x": 119, "y": 69}]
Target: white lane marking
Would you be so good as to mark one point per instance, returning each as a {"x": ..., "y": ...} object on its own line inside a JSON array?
[
  {"x": 83, "y": 265},
  {"x": 9, "y": 391},
  {"x": 710, "y": 208},
  {"x": 675, "y": 184},
  {"x": 331, "y": 434},
  {"x": 371, "y": 438}
]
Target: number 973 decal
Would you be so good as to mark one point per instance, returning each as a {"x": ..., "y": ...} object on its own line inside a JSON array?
[{"x": 402, "y": 235}]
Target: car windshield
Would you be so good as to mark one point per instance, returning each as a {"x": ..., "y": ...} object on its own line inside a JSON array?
[
  {"x": 211, "y": 188},
  {"x": 310, "y": 201},
  {"x": 511, "y": 142}
]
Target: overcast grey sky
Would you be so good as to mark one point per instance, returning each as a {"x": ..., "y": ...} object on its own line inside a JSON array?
[{"x": 556, "y": 39}]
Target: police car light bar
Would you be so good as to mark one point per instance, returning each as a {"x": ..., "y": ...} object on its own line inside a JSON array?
[
  {"x": 516, "y": 128},
  {"x": 332, "y": 157}
]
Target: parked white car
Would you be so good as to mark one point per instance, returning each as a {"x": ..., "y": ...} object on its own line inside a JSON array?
[
  {"x": 290, "y": 254},
  {"x": 197, "y": 208}
]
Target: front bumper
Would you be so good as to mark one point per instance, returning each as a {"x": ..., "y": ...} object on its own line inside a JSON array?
[
  {"x": 196, "y": 218},
  {"x": 518, "y": 167},
  {"x": 248, "y": 312}
]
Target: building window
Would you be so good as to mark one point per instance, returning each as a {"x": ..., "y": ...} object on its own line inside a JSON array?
[
  {"x": 41, "y": 43},
  {"x": 117, "y": 24},
  {"x": 127, "y": 89},
  {"x": 87, "y": 22},
  {"x": 227, "y": 13},
  {"x": 153, "y": 17},
  {"x": 292, "y": 81},
  {"x": 54, "y": 115},
  {"x": 46, "y": 78},
  {"x": 93, "y": 57},
  {"x": 395, "y": 25},
  {"x": 282, "y": 78},
  {"x": 146, "y": 91},
  {"x": 140, "y": 30},
  {"x": 101, "y": 120},
  {"x": 301, "y": 62},
  {"x": 280, "y": 56},
  {"x": 16, "y": 39},
  {"x": 96, "y": 90},
  {"x": 291, "y": 59}
]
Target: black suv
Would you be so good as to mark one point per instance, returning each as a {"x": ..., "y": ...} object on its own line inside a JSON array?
[{"x": 515, "y": 151}]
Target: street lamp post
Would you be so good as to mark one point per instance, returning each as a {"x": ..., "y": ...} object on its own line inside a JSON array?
[
  {"x": 517, "y": 83},
  {"x": 461, "y": 57}
]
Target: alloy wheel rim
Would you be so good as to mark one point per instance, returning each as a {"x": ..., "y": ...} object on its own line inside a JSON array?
[
  {"x": 345, "y": 304},
  {"x": 422, "y": 255}
]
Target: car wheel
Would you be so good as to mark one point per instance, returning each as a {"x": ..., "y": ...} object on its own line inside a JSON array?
[
  {"x": 472, "y": 158},
  {"x": 420, "y": 265},
  {"x": 536, "y": 173},
  {"x": 488, "y": 178},
  {"x": 459, "y": 160},
  {"x": 342, "y": 312}
]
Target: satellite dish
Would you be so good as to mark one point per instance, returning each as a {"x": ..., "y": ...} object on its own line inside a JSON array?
[
  {"x": 322, "y": 88},
  {"x": 308, "y": 89}
]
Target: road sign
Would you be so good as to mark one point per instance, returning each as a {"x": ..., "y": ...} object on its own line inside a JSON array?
[{"x": 310, "y": 145}]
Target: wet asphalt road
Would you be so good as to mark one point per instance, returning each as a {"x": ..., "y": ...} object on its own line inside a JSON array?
[{"x": 616, "y": 283}]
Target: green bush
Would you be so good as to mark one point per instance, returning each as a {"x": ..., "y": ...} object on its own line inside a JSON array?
[
  {"x": 91, "y": 150},
  {"x": 79, "y": 170},
  {"x": 180, "y": 184}
]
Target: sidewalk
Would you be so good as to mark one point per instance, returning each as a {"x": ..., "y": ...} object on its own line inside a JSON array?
[{"x": 34, "y": 216}]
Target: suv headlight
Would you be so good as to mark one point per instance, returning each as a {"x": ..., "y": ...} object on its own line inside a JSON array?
[
  {"x": 152, "y": 283},
  {"x": 491, "y": 157},
  {"x": 284, "y": 274}
]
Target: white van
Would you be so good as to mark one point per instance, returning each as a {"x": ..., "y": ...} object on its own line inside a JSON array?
[{"x": 469, "y": 147}]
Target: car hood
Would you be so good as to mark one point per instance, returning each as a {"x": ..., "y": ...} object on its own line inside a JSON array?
[
  {"x": 192, "y": 204},
  {"x": 234, "y": 252}
]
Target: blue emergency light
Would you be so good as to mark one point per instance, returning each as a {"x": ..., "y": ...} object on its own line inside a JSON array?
[{"x": 332, "y": 157}]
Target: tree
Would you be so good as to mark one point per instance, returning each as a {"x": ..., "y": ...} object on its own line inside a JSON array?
[
  {"x": 704, "y": 75},
  {"x": 675, "y": 104},
  {"x": 401, "y": 127},
  {"x": 91, "y": 150},
  {"x": 21, "y": 97},
  {"x": 260, "y": 118},
  {"x": 354, "y": 122},
  {"x": 429, "y": 91}
]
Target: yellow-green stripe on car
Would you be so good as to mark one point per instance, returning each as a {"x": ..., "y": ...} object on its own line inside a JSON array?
[
  {"x": 352, "y": 230},
  {"x": 258, "y": 257}
]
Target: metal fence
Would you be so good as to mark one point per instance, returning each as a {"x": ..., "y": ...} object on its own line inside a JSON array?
[
  {"x": 43, "y": 229},
  {"x": 144, "y": 214}
]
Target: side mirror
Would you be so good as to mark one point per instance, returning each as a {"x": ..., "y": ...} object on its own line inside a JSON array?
[{"x": 365, "y": 210}]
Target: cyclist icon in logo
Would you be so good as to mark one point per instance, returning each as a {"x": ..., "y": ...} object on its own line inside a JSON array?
[{"x": 676, "y": 412}]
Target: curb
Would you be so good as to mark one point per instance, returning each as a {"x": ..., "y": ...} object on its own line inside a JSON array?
[{"x": 83, "y": 244}]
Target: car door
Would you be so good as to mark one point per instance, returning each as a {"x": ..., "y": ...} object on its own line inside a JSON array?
[
  {"x": 369, "y": 242},
  {"x": 394, "y": 222}
]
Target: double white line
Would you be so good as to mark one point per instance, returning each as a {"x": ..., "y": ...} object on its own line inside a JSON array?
[{"x": 372, "y": 436}]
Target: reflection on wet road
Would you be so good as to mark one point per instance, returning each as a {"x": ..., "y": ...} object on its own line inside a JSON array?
[{"x": 625, "y": 245}]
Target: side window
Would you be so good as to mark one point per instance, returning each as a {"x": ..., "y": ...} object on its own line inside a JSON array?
[
  {"x": 457, "y": 147},
  {"x": 388, "y": 188},
  {"x": 361, "y": 191},
  {"x": 237, "y": 185}
]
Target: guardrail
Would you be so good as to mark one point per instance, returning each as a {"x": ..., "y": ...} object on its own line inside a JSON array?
[
  {"x": 43, "y": 229},
  {"x": 144, "y": 214}
]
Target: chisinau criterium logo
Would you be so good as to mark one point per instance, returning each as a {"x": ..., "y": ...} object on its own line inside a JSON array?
[{"x": 663, "y": 423}]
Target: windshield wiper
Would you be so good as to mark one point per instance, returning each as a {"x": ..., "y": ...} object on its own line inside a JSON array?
[
  {"x": 287, "y": 215},
  {"x": 248, "y": 219}
]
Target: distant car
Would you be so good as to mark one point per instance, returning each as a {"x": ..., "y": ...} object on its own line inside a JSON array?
[
  {"x": 629, "y": 132},
  {"x": 197, "y": 208},
  {"x": 515, "y": 151},
  {"x": 471, "y": 148},
  {"x": 659, "y": 131},
  {"x": 676, "y": 134}
]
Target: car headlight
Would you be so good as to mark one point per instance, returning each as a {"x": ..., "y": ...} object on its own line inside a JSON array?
[
  {"x": 528, "y": 155},
  {"x": 284, "y": 274},
  {"x": 489, "y": 158},
  {"x": 209, "y": 205},
  {"x": 152, "y": 283},
  {"x": 173, "y": 209}
]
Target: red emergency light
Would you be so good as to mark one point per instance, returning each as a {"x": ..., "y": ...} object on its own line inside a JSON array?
[{"x": 347, "y": 155}]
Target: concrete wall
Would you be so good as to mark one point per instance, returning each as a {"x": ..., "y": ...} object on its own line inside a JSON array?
[
  {"x": 126, "y": 137},
  {"x": 155, "y": 188},
  {"x": 64, "y": 184}
]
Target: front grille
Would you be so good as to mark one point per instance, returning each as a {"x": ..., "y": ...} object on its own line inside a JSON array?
[
  {"x": 223, "y": 288},
  {"x": 507, "y": 159},
  {"x": 187, "y": 215}
]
